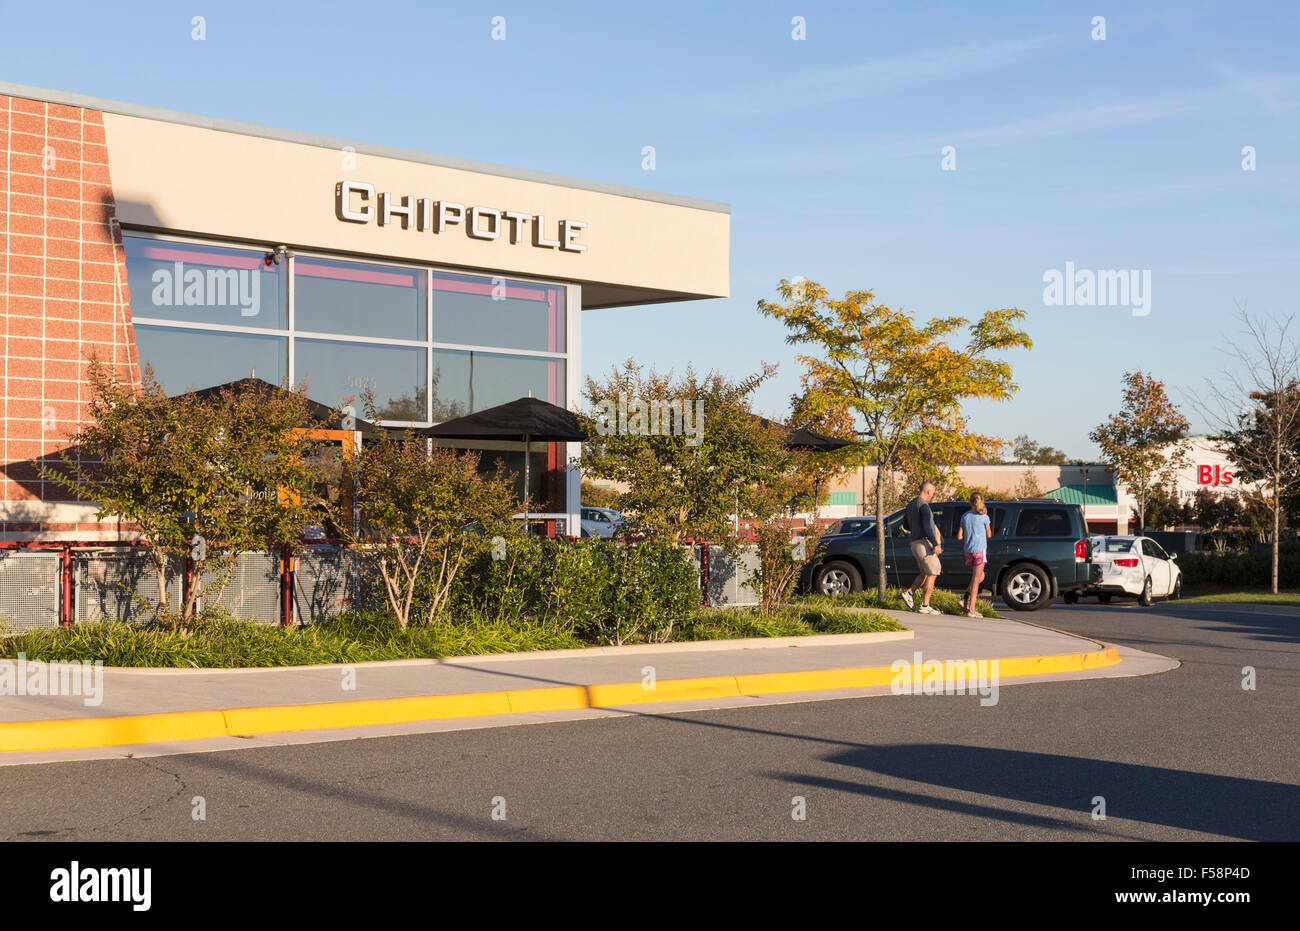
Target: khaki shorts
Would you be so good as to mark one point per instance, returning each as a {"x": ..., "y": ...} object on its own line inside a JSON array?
[{"x": 926, "y": 560}]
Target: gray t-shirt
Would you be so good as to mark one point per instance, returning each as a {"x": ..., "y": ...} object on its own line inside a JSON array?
[{"x": 920, "y": 521}]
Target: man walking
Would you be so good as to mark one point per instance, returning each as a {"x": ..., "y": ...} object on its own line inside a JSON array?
[{"x": 926, "y": 547}]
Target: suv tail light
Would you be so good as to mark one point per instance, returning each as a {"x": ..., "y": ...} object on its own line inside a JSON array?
[
  {"x": 1081, "y": 549},
  {"x": 1126, "y": 563}
]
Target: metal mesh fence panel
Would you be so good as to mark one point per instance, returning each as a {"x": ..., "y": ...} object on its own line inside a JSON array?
[
  {"x": 729, "y": 575},
  {"x": 29, "y": 591},
  {"x": 324, "y": 583},
  {"x": 123, "y": 586},
  {"x": 252, "y": 590},
  {"x": 111, "y": 585}
]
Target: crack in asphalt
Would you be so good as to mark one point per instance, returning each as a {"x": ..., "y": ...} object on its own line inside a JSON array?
[{"x": 147, "y": 763}]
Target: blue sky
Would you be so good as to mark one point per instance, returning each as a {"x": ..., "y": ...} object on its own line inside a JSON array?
[{"x": 1115, "y": 154}]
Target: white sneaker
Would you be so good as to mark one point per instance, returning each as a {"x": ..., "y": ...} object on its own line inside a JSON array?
[
  {"x": 908, "y": 600},
  {"x": 927, "y": 609}
]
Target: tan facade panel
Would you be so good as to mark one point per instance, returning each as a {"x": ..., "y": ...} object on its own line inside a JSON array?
[{"x": 217, "y": 183}]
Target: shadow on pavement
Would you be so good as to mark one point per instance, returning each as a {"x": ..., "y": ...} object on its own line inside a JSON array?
[
  {"x": 1271, "y": 623},
  {"x": 1250, "y": 809}
]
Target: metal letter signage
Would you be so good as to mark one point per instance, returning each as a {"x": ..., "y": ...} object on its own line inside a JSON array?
[{"x": 357, "y": 202}]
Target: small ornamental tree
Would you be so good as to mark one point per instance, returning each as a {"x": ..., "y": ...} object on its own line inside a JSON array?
[
  {"x": 600, "y": 496},
  {"x": 1028, "y": 486},
  {"x": 1255, "y": 406},
  {"x": 1216, "y": 514},
  {"x": 821, "y": 467},
  {"x": 1166, "y": 509},
  {"x": 691, "y": 470},
  {"x": 904, "y": 382},
  {"x": 1027, "y": 451},
  {"x": 423, "y": 514},
  {"x": 1140, "y": 441},
  {"x": 202, "y": 477},
  {"x": 781, "y": 553}
]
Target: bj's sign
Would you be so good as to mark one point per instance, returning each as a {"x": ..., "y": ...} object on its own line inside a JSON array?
[
  {"x": 1213, "y": 475},
  {"x": 357, "y": 202}
]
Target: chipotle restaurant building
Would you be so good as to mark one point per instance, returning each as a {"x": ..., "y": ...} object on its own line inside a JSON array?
[{"x": 213, "y": 251}]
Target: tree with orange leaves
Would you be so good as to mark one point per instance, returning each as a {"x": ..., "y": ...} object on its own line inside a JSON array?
[{"x": 904, "y": 382}]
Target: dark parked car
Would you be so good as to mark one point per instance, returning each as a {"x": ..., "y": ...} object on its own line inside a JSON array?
[
  {"x": 849, "y": 525},
  {"x": 1039, "y": 549}
]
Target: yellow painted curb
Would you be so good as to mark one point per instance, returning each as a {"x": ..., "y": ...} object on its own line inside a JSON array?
[{"x": 81, "y": 733}]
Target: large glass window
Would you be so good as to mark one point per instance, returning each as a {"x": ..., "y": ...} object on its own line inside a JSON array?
[
  {"x": 359, "y": 299},
  {"x": 476, "y": 311},
  {"x": 545, "y": 469},
  {"x": 357, "y": 325},
  {"x": 204, "y": 284},
  {"x": 464, "y": 382},
  {"x": 187, "y": 358},
  {"x": 337, "y": 373}
]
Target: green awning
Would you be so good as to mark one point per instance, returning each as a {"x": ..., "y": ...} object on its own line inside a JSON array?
[{"x": 1098, "y": 495}]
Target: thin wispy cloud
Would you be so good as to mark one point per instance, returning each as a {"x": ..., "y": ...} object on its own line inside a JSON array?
[
  {"x": 1076, "y": 121},
  {"x": 1276, "y": 95},
  {"x": 864, "y": 79}
]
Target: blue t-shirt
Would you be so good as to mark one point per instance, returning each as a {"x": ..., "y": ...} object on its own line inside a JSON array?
[{"x": 973, "y": 536}]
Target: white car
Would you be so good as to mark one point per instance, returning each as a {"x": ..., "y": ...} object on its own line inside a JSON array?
[
  {"x": 601, "y": 522},
  {"x": 1135, "y": 567}
]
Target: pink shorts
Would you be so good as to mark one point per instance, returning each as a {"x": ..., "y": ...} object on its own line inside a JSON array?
[{"x": 976, "y": 559}]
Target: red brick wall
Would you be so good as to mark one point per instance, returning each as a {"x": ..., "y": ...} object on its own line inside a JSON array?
[{"x": 64, "y": 293}]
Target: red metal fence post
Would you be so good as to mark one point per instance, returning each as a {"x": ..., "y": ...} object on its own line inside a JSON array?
[
  {"x": 286, "y": 586},
  {"x": 65, "y": 578},
  {"x": 704, "y": 573}
]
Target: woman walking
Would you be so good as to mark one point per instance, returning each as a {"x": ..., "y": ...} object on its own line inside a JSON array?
[{"x": 974, "y": 532}]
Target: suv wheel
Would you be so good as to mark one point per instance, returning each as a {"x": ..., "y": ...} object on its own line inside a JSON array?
[
  {"x": 837, "y": 578},
  {"x": 1026, "y": 587},
  {"x": 1145, "y": 599}
]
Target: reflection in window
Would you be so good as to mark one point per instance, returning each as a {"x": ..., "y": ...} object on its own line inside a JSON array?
[
  {"x": 479, "y": 311},
  {"x": 337, "y": 374},
  {"x": 359, "y": 299},
  {"x": 183, "y": 359},
  {"x": 546, "y": 470},
  {"x": 464, "y": 382},
  {"x": 204, "y": 284}
]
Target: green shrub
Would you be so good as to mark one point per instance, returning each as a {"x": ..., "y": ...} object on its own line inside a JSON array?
[
  {"x": 1242, "y": 568},
  {"x": 222, "y": 643},
  {"x": 597, "y": 590},
  {"x": 216, "y": 642}
]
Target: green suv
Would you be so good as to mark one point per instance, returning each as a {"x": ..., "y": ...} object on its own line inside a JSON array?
[{"x": 1039, "y": 549}]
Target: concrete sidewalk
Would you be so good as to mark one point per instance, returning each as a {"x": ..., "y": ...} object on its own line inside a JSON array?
[{"x": 151, "y": 711}]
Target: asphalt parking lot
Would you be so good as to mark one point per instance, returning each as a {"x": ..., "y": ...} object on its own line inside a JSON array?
[{"x": 1182, "y": 755}]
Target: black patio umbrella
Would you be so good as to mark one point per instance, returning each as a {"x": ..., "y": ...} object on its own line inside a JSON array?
[
  {"x": 816, "y": 442},
  {"x": 805, "y": 439},
  {"x": 524, "y": 420},
  {"x": 315, "y": 410}
]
